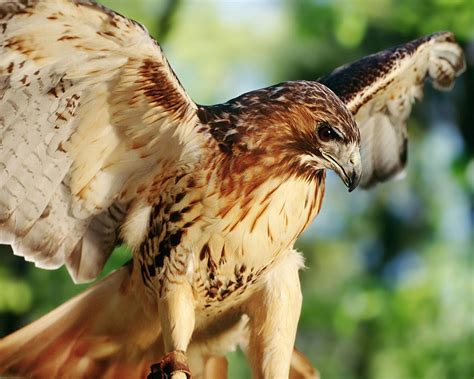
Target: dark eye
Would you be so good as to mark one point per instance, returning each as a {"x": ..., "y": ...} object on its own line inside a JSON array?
[{"x": 326, "y": 133}]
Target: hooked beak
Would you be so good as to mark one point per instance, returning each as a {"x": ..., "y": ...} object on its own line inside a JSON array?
[{"x": 349, "y": 170}]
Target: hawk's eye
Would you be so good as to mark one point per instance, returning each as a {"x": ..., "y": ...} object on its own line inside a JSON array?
[{"x": 326, "y": 133}]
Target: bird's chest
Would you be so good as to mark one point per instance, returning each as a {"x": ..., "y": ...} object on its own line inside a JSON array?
[
  {"x": 223, "y": 241},
  {"x": 241, "y": 235}
]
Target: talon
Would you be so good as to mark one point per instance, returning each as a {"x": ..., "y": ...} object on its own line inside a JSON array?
[{"x": 174, "y": 365}]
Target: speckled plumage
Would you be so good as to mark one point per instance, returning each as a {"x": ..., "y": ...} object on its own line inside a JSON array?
[{"x": 100, "y": 143}]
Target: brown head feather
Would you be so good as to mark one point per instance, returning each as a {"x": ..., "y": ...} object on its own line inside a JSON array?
[{"x": 274, "y": 126}]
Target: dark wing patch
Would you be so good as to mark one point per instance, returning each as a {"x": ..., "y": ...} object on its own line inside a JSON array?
[{"x": 349, "y": 80}]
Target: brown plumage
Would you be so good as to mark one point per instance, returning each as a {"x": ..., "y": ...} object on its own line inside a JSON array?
[{"x": 106, "y": 145}]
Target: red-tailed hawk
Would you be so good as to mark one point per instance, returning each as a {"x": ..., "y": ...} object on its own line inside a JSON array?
[{"x": 99, "y": 142}]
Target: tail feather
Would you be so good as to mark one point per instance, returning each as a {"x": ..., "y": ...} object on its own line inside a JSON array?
[{"x": 104, "y": 332}]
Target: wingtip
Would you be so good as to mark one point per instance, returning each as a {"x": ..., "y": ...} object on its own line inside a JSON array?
[
  {"x": 447, "y": 61},
  {"x": 444, "y": 35}
]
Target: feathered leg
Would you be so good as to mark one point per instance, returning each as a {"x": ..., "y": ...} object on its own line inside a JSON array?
[
  {"x": 176, "y": 307},
  {"x": 274, "y": 312}
]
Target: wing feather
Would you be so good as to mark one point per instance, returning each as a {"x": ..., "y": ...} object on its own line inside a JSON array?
[
  {"x": 89, "y": 109},
  {"x": 379, "y": 90}
]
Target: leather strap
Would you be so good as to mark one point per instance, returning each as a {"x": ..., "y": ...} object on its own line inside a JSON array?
[{"x": 171, "y": 363}]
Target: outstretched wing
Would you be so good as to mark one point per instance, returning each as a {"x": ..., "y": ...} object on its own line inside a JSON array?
[
  {"x": 379, "y": 90},
  {"x": 89, "y": 111}
]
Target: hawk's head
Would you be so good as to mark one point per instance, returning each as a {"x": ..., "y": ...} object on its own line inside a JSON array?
[
  {"x": 324, "y": 133},
  {"x": 297, "y": 127}
]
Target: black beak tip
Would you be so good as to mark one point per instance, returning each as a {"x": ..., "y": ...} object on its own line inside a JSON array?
[{"x": 353, "y": 181}]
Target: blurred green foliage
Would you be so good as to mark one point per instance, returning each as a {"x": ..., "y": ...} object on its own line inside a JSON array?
[{"x": 389, "y": 289}]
